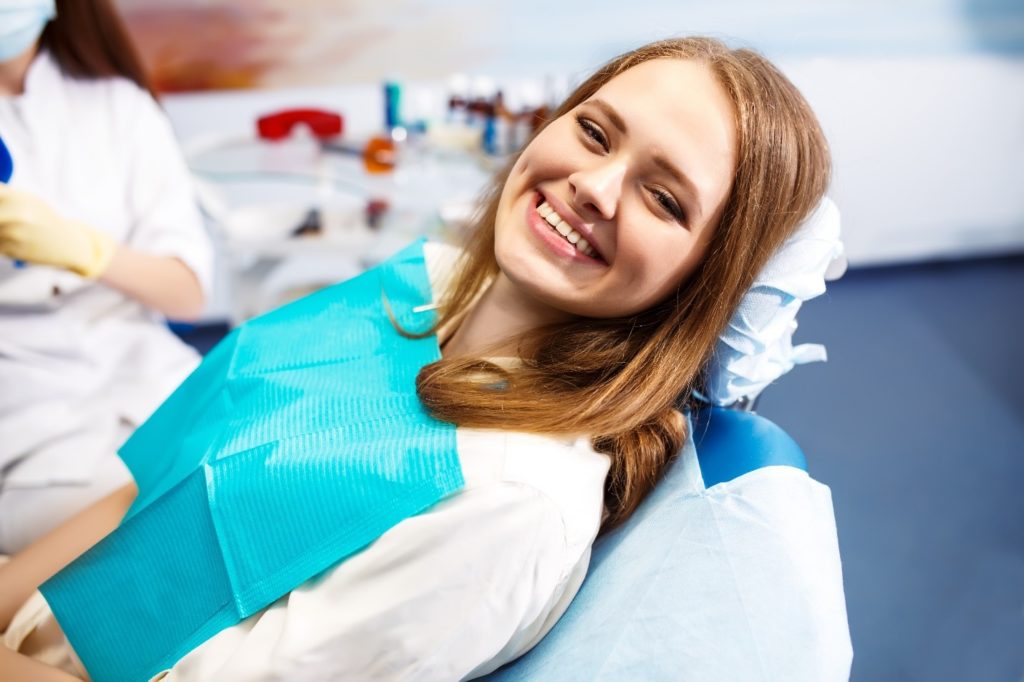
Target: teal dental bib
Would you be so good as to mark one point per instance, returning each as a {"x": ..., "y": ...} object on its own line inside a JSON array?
[{"x": 297, "y": 442}]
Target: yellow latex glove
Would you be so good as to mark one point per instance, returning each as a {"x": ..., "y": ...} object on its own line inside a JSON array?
[{"x": 31, "y": 231}]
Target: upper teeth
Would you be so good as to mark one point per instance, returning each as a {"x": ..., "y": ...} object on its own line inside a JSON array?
[{"x": 558, "y": 223}]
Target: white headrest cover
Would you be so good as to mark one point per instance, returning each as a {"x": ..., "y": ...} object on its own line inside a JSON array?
[{"x": 756, "y": 347}]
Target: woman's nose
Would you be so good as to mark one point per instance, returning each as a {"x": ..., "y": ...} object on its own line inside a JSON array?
[{"x": 597, "y": 189}]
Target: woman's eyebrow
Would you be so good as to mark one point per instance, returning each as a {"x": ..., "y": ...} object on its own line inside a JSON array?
[{"x": 612, "y": 115}]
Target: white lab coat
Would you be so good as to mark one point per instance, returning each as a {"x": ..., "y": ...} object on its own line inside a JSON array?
[{"x": 81, "y": 364}]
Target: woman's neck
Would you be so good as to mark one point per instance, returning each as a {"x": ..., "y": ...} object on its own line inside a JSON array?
[
  {"x": 492, "y": 326},
  {"x": 13, "y": 72}
]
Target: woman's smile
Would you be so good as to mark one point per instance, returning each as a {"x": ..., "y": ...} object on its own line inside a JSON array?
[{"x": 562, "y": 232}]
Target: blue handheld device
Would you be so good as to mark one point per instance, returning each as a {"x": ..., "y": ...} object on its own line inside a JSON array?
[
  {"x": 6, "y": 169},
  {"x": 6, "y": 163}
]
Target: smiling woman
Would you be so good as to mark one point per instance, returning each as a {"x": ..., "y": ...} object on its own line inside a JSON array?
[
  {"x": 345, "y": 496},
  {"x": 683, "y": 165},
  {"x": 609, "y": 170}
]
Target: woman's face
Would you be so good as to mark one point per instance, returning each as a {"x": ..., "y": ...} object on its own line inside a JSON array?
[{"x": 613, "y": 204}]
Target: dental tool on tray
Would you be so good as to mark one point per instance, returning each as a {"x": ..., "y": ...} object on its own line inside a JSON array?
[{"x": 378, "y": 154}]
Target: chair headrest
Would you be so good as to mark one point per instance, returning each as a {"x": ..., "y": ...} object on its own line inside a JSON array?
[{"x": 756, "y": 347}]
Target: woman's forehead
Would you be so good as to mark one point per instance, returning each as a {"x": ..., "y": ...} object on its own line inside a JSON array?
[{"x": 673, "y": 92}]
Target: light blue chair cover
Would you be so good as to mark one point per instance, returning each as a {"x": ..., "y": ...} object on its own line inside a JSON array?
[{"x": 630, "y": 584}]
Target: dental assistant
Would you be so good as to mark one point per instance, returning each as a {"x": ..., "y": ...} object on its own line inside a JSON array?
[{"x": 100, "y": 240}]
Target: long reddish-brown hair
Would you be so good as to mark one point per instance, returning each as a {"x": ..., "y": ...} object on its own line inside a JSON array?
[
  {"x": 88, "y": 39},
  {"x": 619, "y": 380}
]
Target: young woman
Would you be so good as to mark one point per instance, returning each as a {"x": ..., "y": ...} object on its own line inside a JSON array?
[
  {"x": 100, "y": 239},
  {"x": 605, "y": 261}
]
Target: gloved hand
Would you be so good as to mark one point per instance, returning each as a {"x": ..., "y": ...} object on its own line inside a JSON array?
[{"x": 32, "y": 231}]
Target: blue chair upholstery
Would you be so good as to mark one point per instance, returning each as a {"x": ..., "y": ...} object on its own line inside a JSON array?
[
  {"x": 622, "y": 587},
  {"x": 730, "y": 443}
]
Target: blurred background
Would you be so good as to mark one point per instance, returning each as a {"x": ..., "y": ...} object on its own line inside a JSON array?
[{"x": 917, "y": 420}]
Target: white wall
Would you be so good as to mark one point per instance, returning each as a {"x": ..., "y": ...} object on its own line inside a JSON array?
[{"x": 928, "y": 152}]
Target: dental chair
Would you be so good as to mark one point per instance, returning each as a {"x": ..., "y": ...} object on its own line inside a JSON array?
[{"x": 638, "y": 617}]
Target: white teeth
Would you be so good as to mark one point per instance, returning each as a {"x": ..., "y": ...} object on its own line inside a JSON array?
[{"x": 563, "y": 228}]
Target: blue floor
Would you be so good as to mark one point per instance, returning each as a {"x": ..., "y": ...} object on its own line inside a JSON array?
[{"x": 917, "y": 424}]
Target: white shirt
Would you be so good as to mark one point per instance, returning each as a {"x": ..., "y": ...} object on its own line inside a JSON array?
[
  {"x": 79, "y": 360},
  {"x": 452, "y": 593},
  {"x": 449, "y": 594}
]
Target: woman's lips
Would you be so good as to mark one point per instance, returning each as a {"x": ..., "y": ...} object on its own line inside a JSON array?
[{"x": 561, "y": 236}]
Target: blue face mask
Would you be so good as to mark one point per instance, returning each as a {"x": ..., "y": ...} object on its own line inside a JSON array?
[{"x": 22, "y": 24}]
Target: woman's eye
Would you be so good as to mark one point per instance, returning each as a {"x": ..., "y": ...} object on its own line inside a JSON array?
[
  {"x": 669, "y": 204},
  {"x": 591, "y": 130}
]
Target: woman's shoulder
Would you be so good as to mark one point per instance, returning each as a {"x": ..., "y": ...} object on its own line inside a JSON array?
[
  {"x": 440, "y": 259},
  {"x": 440, "y": 252},
  {"x": 115, "y": 96}
]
